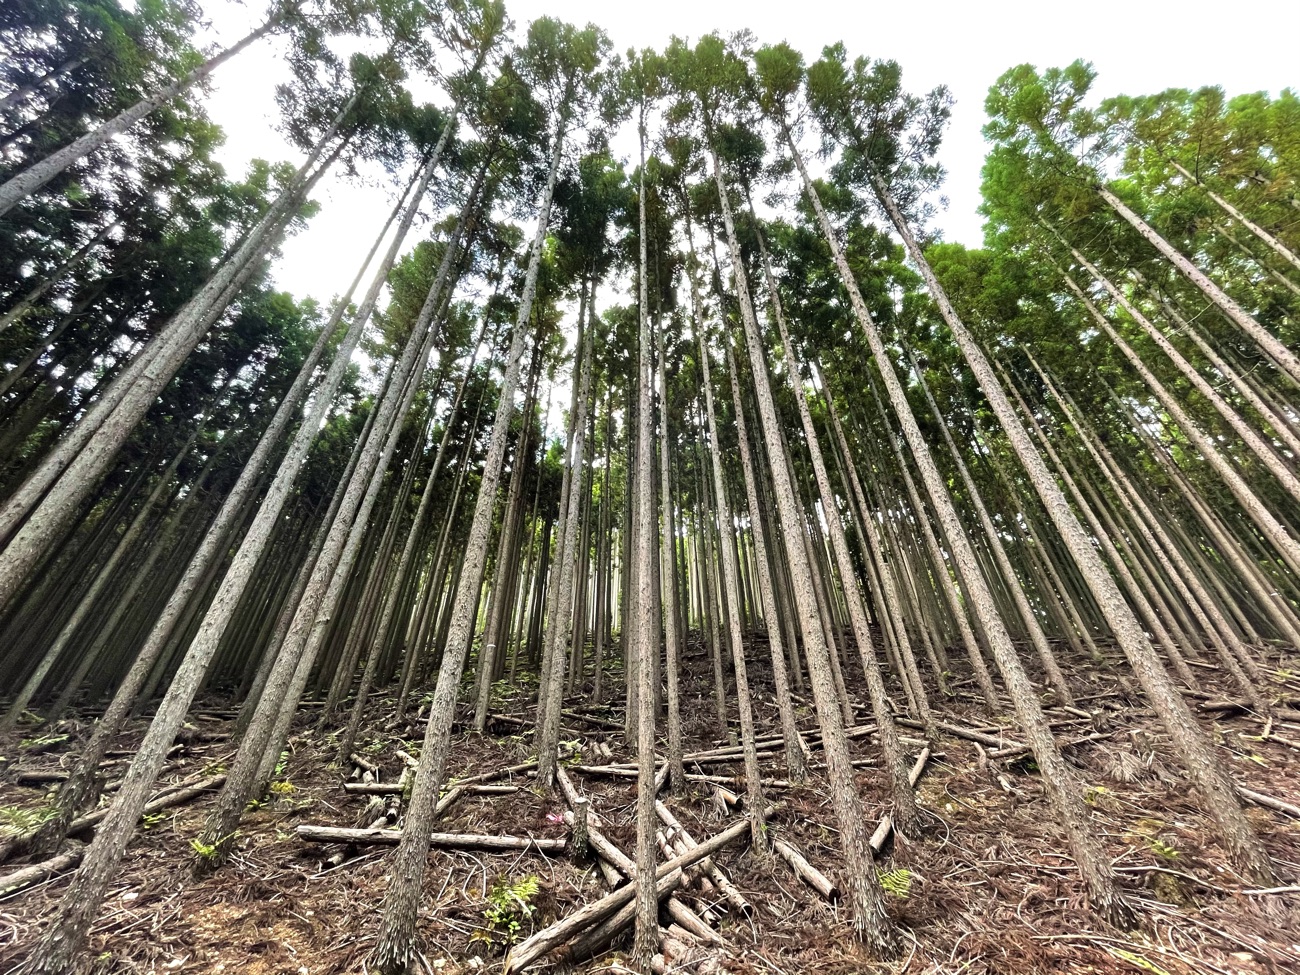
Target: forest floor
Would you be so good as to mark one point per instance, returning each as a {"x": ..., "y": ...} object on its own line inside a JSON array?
[{"x": 988, "y": 887}]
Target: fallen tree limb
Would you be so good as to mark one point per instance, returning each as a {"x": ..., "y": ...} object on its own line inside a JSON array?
[
  {"x": 34, "y": 873},
  {"x": 809, "y": 874},
  {"x": 397, "y": 788},
  {"x": 999, "y": 753},
  {"x": 364, "y": 763},
  {"x": 446, "y": 841},
  {"x": 163, "y": 801}
]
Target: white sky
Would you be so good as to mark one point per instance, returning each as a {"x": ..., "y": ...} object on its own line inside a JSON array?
[{"x": 1137, "y": 46}]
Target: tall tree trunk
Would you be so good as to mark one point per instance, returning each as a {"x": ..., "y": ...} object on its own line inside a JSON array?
[
  {"x": 641, "y": 618},
  {"x": 1277, "y": 351},
  {"x": 1059, "y": 781},
  {"x": 22, "y": 185},
  {"x": 1207, "y": 773},
  {"x": 871, "y": 924},
  {"x": 396, "y": 943}
]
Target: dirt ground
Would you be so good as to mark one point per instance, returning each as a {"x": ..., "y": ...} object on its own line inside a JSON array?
[{"x": 988, "y": 887}]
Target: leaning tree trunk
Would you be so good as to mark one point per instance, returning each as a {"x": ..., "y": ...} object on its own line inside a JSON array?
[
  {"x": 18, "y": 187},
  {"x": 1248, "y": 434},
  {"x": 55, "y": 491},
  {"x": 905, "y": 814},
  {"x": 1277, "y": 351},
  {"x": 1059, "y": 782},
  {"x": 396, "y": 942},
  {"x": 65, "y": 936},
  {"x": 1207, "y": 773},
  {"x": 1273, "y": 530},
  {"x": 270, "y": 724},
  {"x": 1273, "y": 243}
]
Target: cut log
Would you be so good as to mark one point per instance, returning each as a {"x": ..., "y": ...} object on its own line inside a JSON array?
[
  {"x": 669, "y": 875},
  {"x": 364, "y": 763},
  {"x": 1259, "y": 799},
  {"x": 595, "y": 940},
  {"x": 886, "y": 824},
  {"x": 734, "y": 897},
  {"x": 1001, "y": 753},
  {"x": 809, "y": 874},
  {"x": 396, "y": 789},
  {"x": 968, "y": 733},
  {"x": 446, "y": 841},
  {"x": 36, "y": 872},
  {"x": 163, "y": 801},
  {"x": 616, "y": 861},
  {"x": 593, "y": 720}
]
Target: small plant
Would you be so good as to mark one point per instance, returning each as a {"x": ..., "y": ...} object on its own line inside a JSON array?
[
  {"x": 42, "y": 742},
  {"x": 1162, "y": 849},
  {"x": 284, "y": 788},
  {"x": 20, "y": 820},
  {"x": 509, "y": 906},
  {"x": 281, "y": 765},
  {"x": 897, "y": 882},
  {"x": 153, "y": 819},
  {"x": 211, "y": 851}
]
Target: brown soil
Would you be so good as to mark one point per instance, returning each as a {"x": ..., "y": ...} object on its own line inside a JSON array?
[{"x": 991, "y": 887}]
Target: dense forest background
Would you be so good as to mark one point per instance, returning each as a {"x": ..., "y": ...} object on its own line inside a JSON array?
[{"x": 614, "y": 497}]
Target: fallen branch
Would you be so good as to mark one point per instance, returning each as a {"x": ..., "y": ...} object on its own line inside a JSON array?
[
  {"x": 446, "y": 841},
  {"x": 34, "y": 873},
  {"x": 590, "y": 944},
  {"x": 810, "y": 875},
  {"x": 999, "y": 753},
  {"x": 163, "y": 801},
  {"x": 364, "y": 763}
]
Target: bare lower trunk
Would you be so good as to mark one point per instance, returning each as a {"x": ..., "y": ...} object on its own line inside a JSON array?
[{"x": 396, "y": 941}]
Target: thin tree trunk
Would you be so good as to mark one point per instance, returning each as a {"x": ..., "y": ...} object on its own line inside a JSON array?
[
  {"x": 1284, "y": 357},
  {"x": 22, "y": 185},
  {"x": 396, "y": 941}
]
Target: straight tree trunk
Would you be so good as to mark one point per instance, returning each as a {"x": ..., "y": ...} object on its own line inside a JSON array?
[
  {"x": 31, "y": 179},
  {"x": 1277, "y": 351},
  {"x": 396, "y": 942}
]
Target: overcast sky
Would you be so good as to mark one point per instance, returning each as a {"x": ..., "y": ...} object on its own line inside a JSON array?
[{"x": 1137, "y": 46}]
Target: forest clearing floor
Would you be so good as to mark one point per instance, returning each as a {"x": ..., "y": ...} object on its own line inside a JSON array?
[{"x": 988, "y": 887}]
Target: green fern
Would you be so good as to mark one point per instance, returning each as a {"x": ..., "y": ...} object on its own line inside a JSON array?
[{"x": 897, "y": 882}]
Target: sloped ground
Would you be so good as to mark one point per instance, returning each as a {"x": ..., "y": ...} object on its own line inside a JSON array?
[{"x": 988, "y": 888}]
